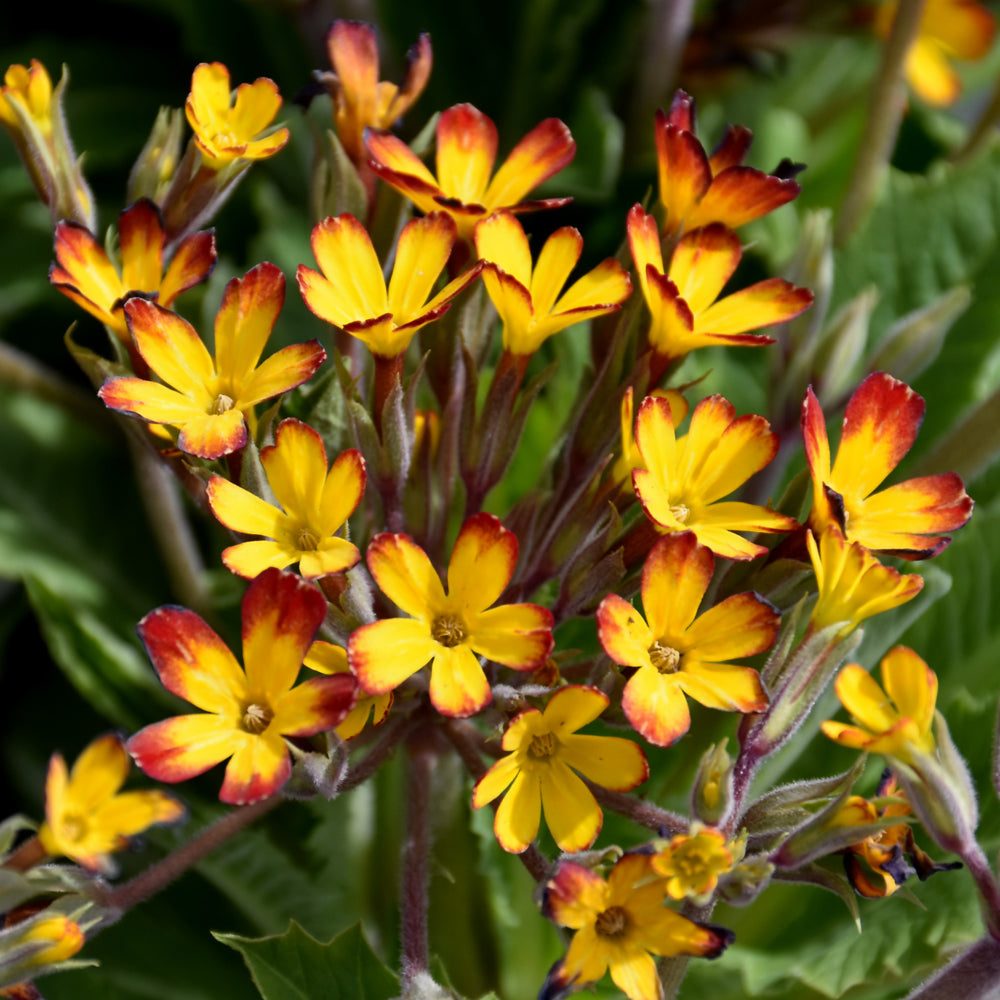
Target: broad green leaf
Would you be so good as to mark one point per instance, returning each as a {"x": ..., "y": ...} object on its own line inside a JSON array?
[{"x": 295, "y": 966}]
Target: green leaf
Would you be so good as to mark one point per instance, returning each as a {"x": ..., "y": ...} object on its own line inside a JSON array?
[{"x": 295, "y": 966}]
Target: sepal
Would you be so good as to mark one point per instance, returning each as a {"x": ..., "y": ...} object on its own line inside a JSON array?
[{"x": 317, "y": 773}]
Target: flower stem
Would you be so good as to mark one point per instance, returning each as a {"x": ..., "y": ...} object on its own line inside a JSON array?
[
  {"x": 415, "y": 956},
  {"x": 640, "y": 812},
  {"x": 983, "y": 132},
  {"x": 884, "y": 116},
  {"x": 973, "y": 858},
  {"x": 29, "y": 854}
]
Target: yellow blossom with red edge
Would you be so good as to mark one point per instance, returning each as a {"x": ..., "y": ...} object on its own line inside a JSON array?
[
  {"x": 85, "y": 273},
  {"x": 949, "y": 29},
  {"x": 539, "y": 773},
  {"x": 697, "y": 189},
  {"x": 87, "y": 818},
  {"x": 231, "y": 126},
  {"x": 630, "y": 458},
  {"x": 314, "y": 503},
  {"x": 466, "y": 187},
  {"x": 211, "y": 399},
  {"x": 246, "y": 713},
  {"x": 852, "y": 584},
  {"x": 684, "y": 302},
  {"x": 350, "y": 291},
  {"x": 530, "y": 300},
  {"x": 450, "y": 628},
  {"x": 692, "y": 863},
  {"x": 679, "y": 652},
  {"x": 360, "y": 99},
  {"x": 326, "y": 658},
  {"x": 895, "y": 722},
  {"x": 880, "y": 425},
  {"x": 683, "y": 479},
  {"x": 620, "y": 924}
]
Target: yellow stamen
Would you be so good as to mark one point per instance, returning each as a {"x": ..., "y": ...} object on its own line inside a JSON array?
[
  {"x": 666, "y": 659},
  {"x": 256, "y": 718},
  {"x": 449, "y": 630},
  {"x": 680, "y": 512},
  {"x": 542, "y": 745},
  {"x": 74, "y": 827},
  {"x": 222, "y": 403},
  {"x": 306, "y": 540},
  {"x": 612, "y": 923}
]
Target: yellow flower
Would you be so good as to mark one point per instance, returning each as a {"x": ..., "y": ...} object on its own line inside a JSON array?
[
  {"x": 539, "y": 772},
  {"x": 620, "y": 924},
  {"x": 326, "y": 658},
  {"x": 852, "y": 584},
  {"x": 630, "y": 458},
  {"x": 228, "y": 126},
  {"x": 315, "y": 504},
  {"x": 62, "y": 937},
  {"x": 683, "y": 480},
  {"x": 86, "y": 818},
  {"x": 27, "y": 91},
  {"x": 895, "y": 722},
  {"x": 679, "y": 652},
  {"x": 949, "y": 29},
  {"x": 692, "y": 862}
]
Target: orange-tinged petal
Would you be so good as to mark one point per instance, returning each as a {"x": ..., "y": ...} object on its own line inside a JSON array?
[
  {"x": 911, "y": 684},
  {"x": 622, "y": 631},
  {"x": 482, "y": 562},
  {"x": 522, "y": 728},
  {"x": 671, "y": 331},
  {"x": 98, "y": 772},
  {"x": 644, "y": 242},
  {"x": 296, "y": 471},
  {"x": 732, "y": 148},
  {"x": 132, "y": 812},
  {"x": 399, "y": 166},
  {"x": 342, "y": 491},
  {"x": 214, "y": 435},
  {"x": 405, "y": 574},
  {"x": 719, "y": 463},
  {"x": 741, "y": 625},
  {"x": 725, "y": 542},
  {"x": 466, "y": 150},
  {"x": 930, "y": 74},
  {"x": 675, "y": 576},
  {"x": 421, "y": 254},
  {"x": 572, "y": 707},
  {"x": 517, "y": 635},
  {"x": 315, "y": 705},
  {"x": 965, "y": 27},
  {"x": 543, "y": 152},
  {"x": 764, "y": 304},
  {"x": 141, "y": 237},
  {"x": 723, "y": 686},
  {"x": 326, "y": 658},
  {"x": 735, "y": 515},
  {"x": 519, "y": 814},
  {"x": 513, "y": 303},
  {"x": 281, "y": 613},
  {"x": 192, "y": 661},
  {"x": 187, "y": 745},
  {"x": 501, "y": 240},
  {"x": 610, "y": 761},
  {"x": 84, "y": 267},
  {"x": 171, "y": 347},
  {"x": 848, "y": 736},
  {"x": 259, "y": 767},
  {"x": 864, "y": 699},
  {"x": 601, "y": 290},
  {"x": 656, "y": 440},
  {"x": 384, "y": 653},
  {"x": 333, "y": 555},
  {"x": 634, "y": 973},
  {"x": 242, "y": 511},
  {"x": 704, "y": 260},
  {"x": 738, "y": 195},
  {"x": 250, "y": 559},
  {"x": 575, "y": 895},
  {"x": 193, "y": 261},
  {"x": 559, "y": 255},
  {"x": 495, "y": 781},
  {"x": 655, "y": 706},
  {"x": 243, "y": 324},
  {"x": 571, "y": 812},
  {"x": 817, "y": 443},
  {"x": 150, "y": 401},
  {"x": 683, "y": 169},
  {"x": 459, "y": 687},
  {"x": 282, "y": 371}
]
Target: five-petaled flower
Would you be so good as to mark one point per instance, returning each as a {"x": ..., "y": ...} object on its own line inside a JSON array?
[
  {"x": 679, "y": 652},
  {"x": 85, "y": 273},
  {"x": 86, "y": 817},
  {"x": 683, "y": 480},
  {"x": 351, "y": 292},
  {"x": 692, "y": 863},
  {"x": 697, "y": 189},
  {"x": 880, "y": 425},
  {"x": 538, "y": 773},
  {"x": 683, "y": 301},
  {"x": 895, "y": 722},
  {"x": 360, "y": 99},
  {"x": 211, "y": 399},
  {"x": 528, "y": 299},
  {"x": 326, "y": 658},
  {"x": 466, "y": 152},
  {"x": 246, "y": 713},
  {"x": 949, "y": 29},
  {"x": 620, "y": 924},
  {"x": 315, "y": 503},
  {"x": 451, "y": 628},
  {"x": 852, "y": 584}
]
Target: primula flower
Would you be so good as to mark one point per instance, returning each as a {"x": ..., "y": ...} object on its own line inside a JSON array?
[
  {"x": 246, "y": 714},
  {"x": 895, "y": 722},
  {"x": 86, "y": 817},
  {"x": 326, "y": 658},
  {"x": 880, "y": 425},
  {"x": 210, "y": 399},
  {"x": 683, "y": 479},
  {"x": 60, "y": 938},
  {"x": 85, "y": 273},
  {"x": 949, "y": 29},
  {"x": 528, "y": 299},
  {"x": 539, "y": 772},
  {"x": 620, "y": 924},
  {"x": 451, "y": 628},
  {"x": 360, "y": 99},
  {"x": 692, "y": 863},
  {"x": 466, "y": 152},
  {"x": 679, "y": 652},
  {"x": 227, "y": 126},
  {"x": 630, "y": 458},
  {"x": 682, "y": 302},
  {"x": 314, "y": 504},
  {"x": 852, "y": 584},
  {"x": 696, "y": 190},
  {"x": 351, "y": 292}
]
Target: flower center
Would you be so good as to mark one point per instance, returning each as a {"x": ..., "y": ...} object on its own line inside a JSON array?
[
  {"x": 74, "y": 827},
  {"x": 256, "y": 718},
  {"x": 222, "y": 403},
  {"x": 306, "y": 540},
  {"x": 691, "y": 863},
  {"x": 612, "y": 922},
  {"x": 449, "y": 630},
  {"x": 666, "y": 659},
  {"x": 543, "y": 745},
  {"x": 680, "y": 512}
]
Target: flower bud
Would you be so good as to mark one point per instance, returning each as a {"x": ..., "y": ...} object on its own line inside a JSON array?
[
  {"x": 712, "y": 792},
  {"x": 156, "y": 165}
]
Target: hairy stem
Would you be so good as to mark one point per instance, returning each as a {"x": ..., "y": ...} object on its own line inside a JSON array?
[{"x": 416, "y": 861}]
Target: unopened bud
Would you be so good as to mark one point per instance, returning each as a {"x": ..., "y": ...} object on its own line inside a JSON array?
[
  {"x": 156, "y": 165},
  {"x": 336, "y": 186},
  {"x": 842, "y": 344},
  {"x": 712, "y": 793}
]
